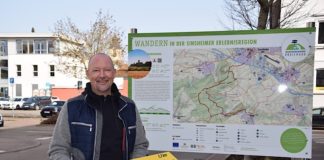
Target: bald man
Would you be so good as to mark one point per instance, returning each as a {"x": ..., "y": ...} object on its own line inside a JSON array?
[{"x": 99, "y": 124}]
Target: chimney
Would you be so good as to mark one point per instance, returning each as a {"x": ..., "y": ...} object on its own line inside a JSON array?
[{"x": 133, "y": 30}]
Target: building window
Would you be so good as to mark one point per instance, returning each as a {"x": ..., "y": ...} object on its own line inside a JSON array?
[
  {"x": 19, "y": 70},
  {"x": 52, "y": 70},
  {"x": 40, "y": 46},
  {"x": 35, "y": 89},
  {"x": 4, "y": 63},
  {"x": 4, "y": 69},
  {"x": 30, "y": 46},
  {"x": 4, "y": 92},
  {"x": 321, "y": 33},
  {"x": 3, "y": 48},
  {"x": 35, "y": 70},
  {"x": 320, "y": 77},
  {"x": 19, "y": 46},
  {"x": 25, "y": 46},
  {"x": 4, "y": 73},
  {"x": 34, "y": 86},
  {"x": 18, "y": 90},
  {"x": 53, "y": 46}
]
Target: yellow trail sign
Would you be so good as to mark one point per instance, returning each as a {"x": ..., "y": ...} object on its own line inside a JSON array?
[{"x": 159, "y": 156}]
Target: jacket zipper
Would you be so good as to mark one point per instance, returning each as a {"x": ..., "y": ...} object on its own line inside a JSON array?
[
  {"x": 95, "y": 137},
  {"x": 124, "y": 129},
  {"x": 83, "y": 124},
  {"x": 130, "y": 127}
]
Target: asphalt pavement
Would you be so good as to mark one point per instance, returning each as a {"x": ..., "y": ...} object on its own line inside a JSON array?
[
  {"x": 23, "y": 136},
  {"x": 19, "y": 143}
]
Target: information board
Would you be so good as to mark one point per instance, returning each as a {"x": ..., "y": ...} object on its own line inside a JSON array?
[{"x": 228, "y": 92}]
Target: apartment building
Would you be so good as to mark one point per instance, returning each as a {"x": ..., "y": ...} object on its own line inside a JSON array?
[
  {"x": 318, "y": 98},
  {"x": 28, "y": 66},
  {"x": 316, "y": 7}
]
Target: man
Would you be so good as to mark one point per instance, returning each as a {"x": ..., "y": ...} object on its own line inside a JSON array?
[{"x": 100, "y": 124}]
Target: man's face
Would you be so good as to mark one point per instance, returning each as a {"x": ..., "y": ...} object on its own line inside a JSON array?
[{"x": 101, "y": 74}]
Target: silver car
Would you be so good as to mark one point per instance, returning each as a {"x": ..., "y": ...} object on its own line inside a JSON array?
[
  {"x": 18, "y": 102},
  {"x": 5, "y": 103}
]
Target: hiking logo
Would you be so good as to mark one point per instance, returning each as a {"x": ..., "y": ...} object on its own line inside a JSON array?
[{"x": 294, "y": 50}]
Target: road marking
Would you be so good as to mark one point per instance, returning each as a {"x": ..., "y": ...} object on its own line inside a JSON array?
[
  {"x": 318, "y": 136},
  {"x": 43, "y": 138},
  {"x": 39, "y": 131},
  {"x": 2, "y": 151},
  {"x": 318, "y": 140}
]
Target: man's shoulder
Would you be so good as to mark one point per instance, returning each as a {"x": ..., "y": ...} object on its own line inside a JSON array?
[
  {"x": 126, "y": 99},
  {"x": 76, "y": 99}
]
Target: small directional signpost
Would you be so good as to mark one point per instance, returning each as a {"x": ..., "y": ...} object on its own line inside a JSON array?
[{"x": 12, "y": 82}]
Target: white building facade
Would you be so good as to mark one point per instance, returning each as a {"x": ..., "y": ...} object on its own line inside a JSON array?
[
  {"x": 28, "y": 66},
  {"x": 317, "y": 20}
]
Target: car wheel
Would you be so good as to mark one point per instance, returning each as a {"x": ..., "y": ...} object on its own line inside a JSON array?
[{"x": 43, "y": 115}]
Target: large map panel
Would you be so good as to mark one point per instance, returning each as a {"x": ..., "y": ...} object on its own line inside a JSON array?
[{"x": 241, "y": 86}]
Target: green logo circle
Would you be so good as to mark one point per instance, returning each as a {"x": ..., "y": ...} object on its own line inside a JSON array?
[{"x": 293, "y": 140}]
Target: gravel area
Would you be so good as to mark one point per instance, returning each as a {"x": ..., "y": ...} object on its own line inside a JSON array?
[
  {"x": 10, "y": 122},
  {"x": 21, "y": 113},
  {"x": 20, "y": 118}
]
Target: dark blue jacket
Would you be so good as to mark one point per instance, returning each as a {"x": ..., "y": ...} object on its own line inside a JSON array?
[{"x": 80, "y": 138}]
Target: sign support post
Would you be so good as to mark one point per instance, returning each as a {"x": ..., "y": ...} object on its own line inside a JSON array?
[{"x": 12, "y": 82}]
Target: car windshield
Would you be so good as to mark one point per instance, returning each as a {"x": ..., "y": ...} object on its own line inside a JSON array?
[
  {"x": 316, "y": 111},
  {"x": 57, "y": 103},
  {"x": 30, "y": 100},
  {"x": 17, "y": 99},
  {"x": 4, "y": 99}
]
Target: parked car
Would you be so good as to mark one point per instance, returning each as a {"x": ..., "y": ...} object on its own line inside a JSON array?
[
  {"x": 36, "y": 103},
  {"x": 318, "y": 117},
  {"x": 1, "y": 120},
  {"x": 18, "y": 102},
  {"x": 5, "y": 103},
  {"x": 54, "y": 98},
  {"x": 52, "y": 109}
]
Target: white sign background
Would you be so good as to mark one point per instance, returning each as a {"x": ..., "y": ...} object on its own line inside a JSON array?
[{"x": 154, "y": 97}]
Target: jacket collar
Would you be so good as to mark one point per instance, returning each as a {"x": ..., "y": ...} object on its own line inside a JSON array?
[{"x": 95, "y": 100}]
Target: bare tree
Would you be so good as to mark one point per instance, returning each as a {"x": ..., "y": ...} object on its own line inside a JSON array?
[
  {"x": 263, "y": 14},
  {"x": 78, "y": 45},
  {"x": 242, "y": 12}
]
